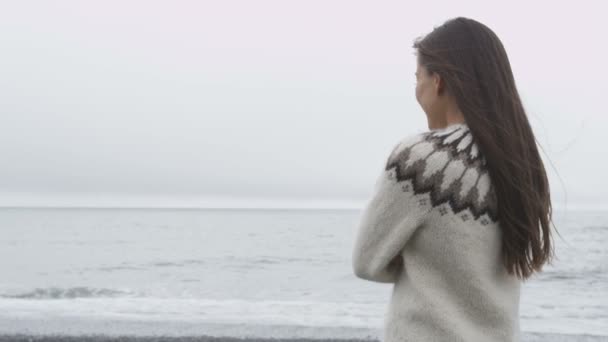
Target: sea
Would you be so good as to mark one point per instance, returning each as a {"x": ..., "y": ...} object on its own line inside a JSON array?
[{"x": 248, "y": 273}]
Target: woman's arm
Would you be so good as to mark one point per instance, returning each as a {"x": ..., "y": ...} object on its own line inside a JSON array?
[{"x": 387, "y": 222}]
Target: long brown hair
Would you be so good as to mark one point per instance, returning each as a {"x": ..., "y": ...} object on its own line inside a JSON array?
[{"x": 473, "y": 64}]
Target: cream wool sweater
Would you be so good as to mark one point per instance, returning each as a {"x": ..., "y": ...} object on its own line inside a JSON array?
[{"x": 434, "y": 207}]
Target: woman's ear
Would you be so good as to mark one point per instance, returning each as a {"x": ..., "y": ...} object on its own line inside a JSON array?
[{"x": 438, "y": 83}]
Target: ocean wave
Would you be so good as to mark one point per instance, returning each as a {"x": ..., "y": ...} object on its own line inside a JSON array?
[{"x": 69, "y": 293}]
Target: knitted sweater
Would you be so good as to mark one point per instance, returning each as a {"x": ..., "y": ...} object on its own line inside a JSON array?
[{"x": 431, "y": 229}]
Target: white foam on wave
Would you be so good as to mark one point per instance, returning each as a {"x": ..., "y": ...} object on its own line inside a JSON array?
[
  {"x": 332, "y": 317},
  {"x": 230, "y": 311}
]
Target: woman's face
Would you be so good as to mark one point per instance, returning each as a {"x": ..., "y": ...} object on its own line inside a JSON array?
[{"x": 427, "y": 93}]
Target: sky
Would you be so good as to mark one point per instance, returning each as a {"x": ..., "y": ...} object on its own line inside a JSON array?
[{"x": 267, "y": 103}]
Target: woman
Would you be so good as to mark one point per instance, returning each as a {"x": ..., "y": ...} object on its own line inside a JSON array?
[{"x": 460, "y": 213}]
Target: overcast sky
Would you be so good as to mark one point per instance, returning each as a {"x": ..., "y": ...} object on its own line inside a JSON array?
[{"x": 267, "y": 103}]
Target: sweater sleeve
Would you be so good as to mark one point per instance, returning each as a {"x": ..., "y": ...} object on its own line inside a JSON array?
[{"x": 387, "y": 221}]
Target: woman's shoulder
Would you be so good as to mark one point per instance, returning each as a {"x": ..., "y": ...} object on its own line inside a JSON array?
[
  {"x": 404, "y": 146},
  {"x": 455, "y": 141},
  {"x": 448, "y": 165}
]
